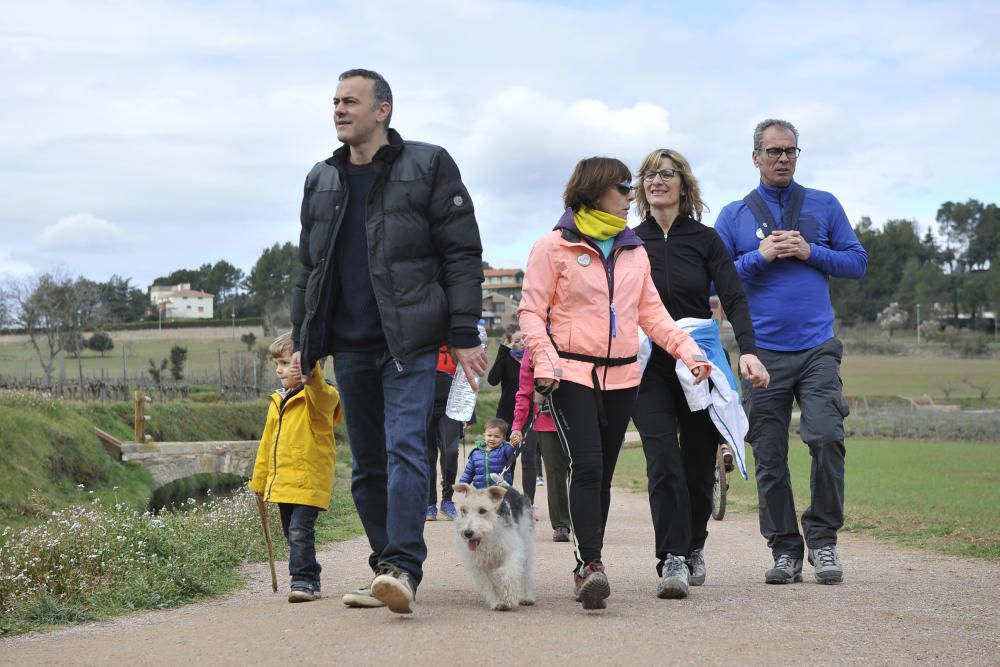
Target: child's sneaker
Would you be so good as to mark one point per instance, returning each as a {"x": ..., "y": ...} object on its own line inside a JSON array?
[
  {"x": 540, "y": 481},
  {"x": 448, "y": 510},
  {"x": 432, "y": 513},
  {"x": 560, "y": 534},
  {"x": 592, "y": 587},
  {"x": 303, "y": 593}
]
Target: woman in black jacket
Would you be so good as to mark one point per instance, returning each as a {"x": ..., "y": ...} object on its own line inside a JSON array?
[
  {"x": 506, "y": 372},
  {"x": 686, "y": 258}
]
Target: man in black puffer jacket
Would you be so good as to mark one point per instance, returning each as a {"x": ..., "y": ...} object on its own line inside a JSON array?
[{"x": 391, "y": 269}]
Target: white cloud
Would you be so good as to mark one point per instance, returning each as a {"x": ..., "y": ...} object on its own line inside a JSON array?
[
  {"x": 11, "y": 267},
  {"x": 81, "y": 232}
]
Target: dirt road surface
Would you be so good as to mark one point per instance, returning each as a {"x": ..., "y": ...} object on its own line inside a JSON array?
[{"x": 897, "y": 607}]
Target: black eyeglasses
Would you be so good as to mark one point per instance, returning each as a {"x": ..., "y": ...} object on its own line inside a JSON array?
[
  {"x": 665, "y": 174},
  {"x": 625, "y": 187},
  {"x": 774, "y": 153}
]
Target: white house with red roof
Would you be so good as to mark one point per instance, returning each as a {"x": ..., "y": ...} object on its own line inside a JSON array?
[{"x": 180, "y": 302}]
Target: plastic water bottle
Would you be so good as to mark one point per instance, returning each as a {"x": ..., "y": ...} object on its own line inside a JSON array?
[{"x": 461, "y": 396}]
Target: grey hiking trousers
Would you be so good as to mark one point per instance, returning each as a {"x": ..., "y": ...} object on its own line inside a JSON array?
[{"x": 812, "y": 378}]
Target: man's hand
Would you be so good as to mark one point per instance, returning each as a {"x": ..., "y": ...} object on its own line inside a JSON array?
[
  {"x": 784, "y": 244},
  {"x": 296, "y": 367},
  {"x": 768, "y": 248},
  {"x": 515, "y": 438},
  {"x": 790, "y": 244},
  {"x": 753, "y": 370},
  {"x": 701, "y": 373},
  {"x": 473, "y": 360}
]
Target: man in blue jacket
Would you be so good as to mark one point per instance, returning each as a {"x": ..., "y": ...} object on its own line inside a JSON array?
[{"x": 787, "y": 242}]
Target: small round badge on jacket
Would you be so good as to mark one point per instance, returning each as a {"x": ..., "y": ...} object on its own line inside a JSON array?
[
  {"x": 584, "y": 259},
  {"x": 458, "y": 201}
]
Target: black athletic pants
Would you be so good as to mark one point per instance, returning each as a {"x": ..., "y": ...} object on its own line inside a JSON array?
[
  {"x": 680, "y": 470},
  {"x": 592, "y": 450}
]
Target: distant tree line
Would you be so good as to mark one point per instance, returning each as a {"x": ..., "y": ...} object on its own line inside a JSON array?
[
  {"x": 55, "y": 309},
  {"x": 954, "y": 276}
]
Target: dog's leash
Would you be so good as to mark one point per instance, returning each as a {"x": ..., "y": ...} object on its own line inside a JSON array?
[{"x": 529, "y": 422}]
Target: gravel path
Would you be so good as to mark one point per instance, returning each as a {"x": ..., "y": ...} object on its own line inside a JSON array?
[{"x": 897, "y": 606}]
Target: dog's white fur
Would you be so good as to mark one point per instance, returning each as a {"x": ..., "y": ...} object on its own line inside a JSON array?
[{"x": 495, "y": 539}]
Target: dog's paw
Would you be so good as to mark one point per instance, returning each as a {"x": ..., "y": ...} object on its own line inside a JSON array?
[
  {"x": 503, "y": 605},
  {"x": 526, "y": 602}
]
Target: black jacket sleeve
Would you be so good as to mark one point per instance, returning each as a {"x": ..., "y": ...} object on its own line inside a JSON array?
[
  {"x": 455, "y": 235},
  {"x": 731, "y": 294},
  {"x": 298, "y": 300},
  {"x": 496, "y": 372}
]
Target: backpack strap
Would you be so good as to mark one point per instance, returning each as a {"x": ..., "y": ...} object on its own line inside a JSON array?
[{"x": 789, "y": 214}]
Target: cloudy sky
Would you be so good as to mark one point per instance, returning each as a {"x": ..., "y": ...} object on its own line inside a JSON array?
[{"x": 140, "y": 138}]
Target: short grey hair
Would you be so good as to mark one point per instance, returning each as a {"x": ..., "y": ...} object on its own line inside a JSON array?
[
  {"x": 758, "y": 133},
  {"x": 381, "y": 91}
]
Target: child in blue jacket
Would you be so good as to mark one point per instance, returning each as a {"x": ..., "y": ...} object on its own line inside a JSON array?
[{"x": 490, "y": 456}]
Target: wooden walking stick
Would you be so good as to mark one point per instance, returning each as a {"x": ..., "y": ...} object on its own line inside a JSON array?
[{"x": 262, "y": 510}]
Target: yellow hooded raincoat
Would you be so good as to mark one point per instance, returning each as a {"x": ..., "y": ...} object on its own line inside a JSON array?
[{"x": 297, "y": 454}]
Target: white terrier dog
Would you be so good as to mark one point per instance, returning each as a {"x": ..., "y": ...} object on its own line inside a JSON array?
[{"x": 495, "y": 539}]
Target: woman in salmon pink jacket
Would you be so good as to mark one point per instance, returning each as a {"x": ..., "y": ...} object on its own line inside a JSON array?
[{"x": 586, "y": 292}]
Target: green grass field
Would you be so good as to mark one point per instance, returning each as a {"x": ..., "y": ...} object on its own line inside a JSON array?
[
  {"x": 864, "y": 375},
  {"x": 914, "y": 376},
  {"x": 944, "y": 496},
  {"x": 18, "y": 358}
]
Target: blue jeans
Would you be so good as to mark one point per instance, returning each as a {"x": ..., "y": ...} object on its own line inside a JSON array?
[
  {"x": 298, "y": 523},
  {"x": 387, "y": 407}
]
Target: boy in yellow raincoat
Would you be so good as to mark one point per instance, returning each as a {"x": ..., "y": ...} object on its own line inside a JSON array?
[{"x": 295, "y": 462}]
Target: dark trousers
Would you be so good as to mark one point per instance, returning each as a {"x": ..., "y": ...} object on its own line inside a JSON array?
[
  {"x": 812, "y": 379},
  {"x": 442, "y": 440},
  {"x": 679, "y": 470},
  {"x": 556, "y": 478},
  {"x": 592, "y": 451},
  {"x": 298, "y": 524},
  {"x": 387, "y": 406}
]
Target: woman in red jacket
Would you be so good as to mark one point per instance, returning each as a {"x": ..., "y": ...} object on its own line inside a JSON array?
[{"x": 586, "y": 291}]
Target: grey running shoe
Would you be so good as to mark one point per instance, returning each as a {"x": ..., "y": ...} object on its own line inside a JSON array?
[
  {"x": 826, "y": 560},
  {"x": 787, "y": 570},
  {"x": 362, "y": 599},
  {"x": 696, "y": 563},
  {"x": 394, "y": 588},
  {"x": 560, "y": 534},
  {"x": 674, "y": 584}
]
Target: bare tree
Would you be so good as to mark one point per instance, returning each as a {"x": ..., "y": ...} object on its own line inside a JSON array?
[
  {"x": 52, "y": 309},
  {"x": 982, "y": 388}
]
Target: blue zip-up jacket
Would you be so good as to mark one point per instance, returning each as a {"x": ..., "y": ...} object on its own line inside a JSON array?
[
  {"x": 790, "y": 298},
  {"x": 484, "y": 462}
]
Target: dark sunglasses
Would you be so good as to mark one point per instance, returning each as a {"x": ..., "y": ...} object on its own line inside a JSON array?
[{"x": 625, "y": 187}]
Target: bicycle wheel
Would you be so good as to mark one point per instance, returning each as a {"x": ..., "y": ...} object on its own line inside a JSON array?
[{"x": 719, "y": 488}]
